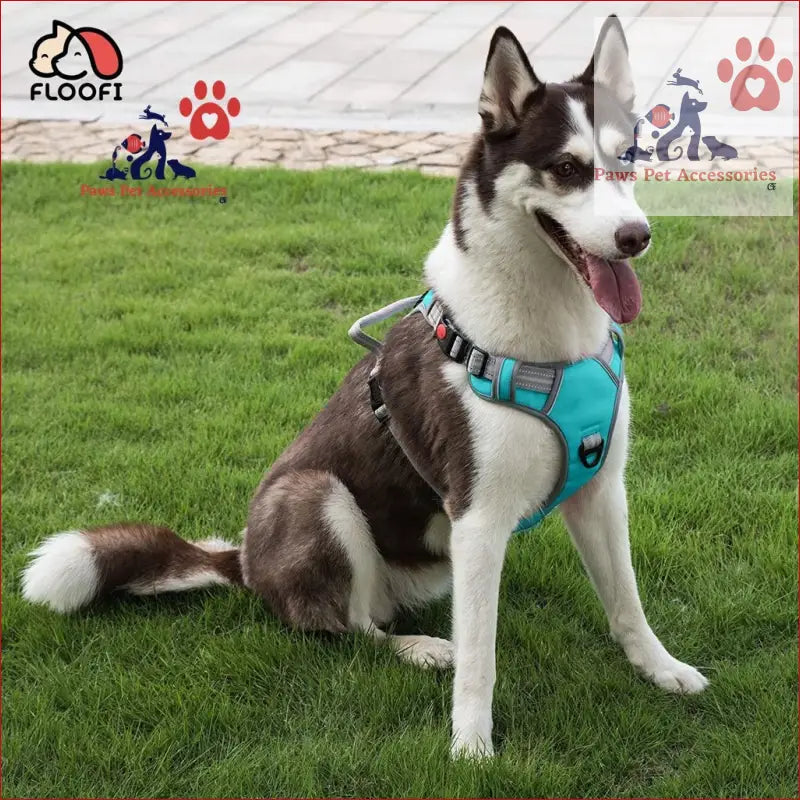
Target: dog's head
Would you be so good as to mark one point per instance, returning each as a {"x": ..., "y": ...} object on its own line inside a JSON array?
[{"x": 534, "y": 164}]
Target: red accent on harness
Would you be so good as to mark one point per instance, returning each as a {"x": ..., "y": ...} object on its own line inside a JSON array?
[{"x": 441, "y": 331}]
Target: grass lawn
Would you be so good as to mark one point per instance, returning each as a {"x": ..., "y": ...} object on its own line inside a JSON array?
[{"x": 160, "y": 353}]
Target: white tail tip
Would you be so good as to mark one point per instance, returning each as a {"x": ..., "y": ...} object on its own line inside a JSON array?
[{"x": 62, "y": 573}]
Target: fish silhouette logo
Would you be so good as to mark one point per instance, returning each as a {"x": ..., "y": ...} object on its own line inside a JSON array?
[
  {"x": 74, "y": 53},
  {"x": 660, "y": 116}
]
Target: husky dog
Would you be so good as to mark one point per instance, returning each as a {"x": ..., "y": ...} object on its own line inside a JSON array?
[{"x": 343, "y": 531}]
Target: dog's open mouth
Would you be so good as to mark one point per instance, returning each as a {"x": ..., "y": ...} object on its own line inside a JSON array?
[{"x": 613, "y": 283}]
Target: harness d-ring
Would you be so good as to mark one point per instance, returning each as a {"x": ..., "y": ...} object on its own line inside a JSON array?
[{"x": 591, "y": 450}]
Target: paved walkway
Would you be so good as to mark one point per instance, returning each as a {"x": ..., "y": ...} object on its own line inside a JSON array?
[{"x": 329, "y": 65}]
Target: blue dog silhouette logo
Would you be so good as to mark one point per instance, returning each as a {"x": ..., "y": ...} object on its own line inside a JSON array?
[
  {"x": 688, "y": 123},
  {"x": 138, "y": 152}
]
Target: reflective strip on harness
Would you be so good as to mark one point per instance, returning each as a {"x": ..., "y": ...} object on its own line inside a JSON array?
[{"x": 528, "y": 376}]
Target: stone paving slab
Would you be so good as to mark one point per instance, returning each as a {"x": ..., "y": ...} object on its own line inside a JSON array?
[
  {"x": 330, "y": 65},
  {"x": 429, "y": 152}
]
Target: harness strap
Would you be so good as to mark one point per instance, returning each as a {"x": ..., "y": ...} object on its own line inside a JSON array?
[
  {"x": 452, "y": 342},
  {"x": 383, "y": 416},
  {"x": 376, "y": 395},
  {"x": 480, "y": 363},
  {"x": 376, "y": 401},
  {"x": 357, "y": 334}
]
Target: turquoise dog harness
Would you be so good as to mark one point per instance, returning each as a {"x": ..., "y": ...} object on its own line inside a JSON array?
[{"x": 577, "y": 400}]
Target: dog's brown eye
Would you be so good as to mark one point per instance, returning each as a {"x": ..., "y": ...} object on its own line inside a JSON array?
[{"x": 564, "y": 169}]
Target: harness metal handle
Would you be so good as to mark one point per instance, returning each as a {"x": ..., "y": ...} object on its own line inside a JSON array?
[{"x": 356, "y": 331}]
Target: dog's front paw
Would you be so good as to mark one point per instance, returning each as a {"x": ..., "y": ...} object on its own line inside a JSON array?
[
  {"x": 675, "y": 676},
  {"x": 653, "y": 660},
  {"x": 470, "y": 745}
]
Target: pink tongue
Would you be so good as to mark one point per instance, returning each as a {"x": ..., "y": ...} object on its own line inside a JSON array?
[{"x": 615, "y": 288}]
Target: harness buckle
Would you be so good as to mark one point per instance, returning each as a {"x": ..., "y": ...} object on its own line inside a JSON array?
[
  {"x": 477, "y": 361},
  {"x": 452, "y": 343},
  {"x": 376, "y": 396}
]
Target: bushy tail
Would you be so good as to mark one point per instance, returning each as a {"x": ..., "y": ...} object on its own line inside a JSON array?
[{"x": 71, "y": 569}]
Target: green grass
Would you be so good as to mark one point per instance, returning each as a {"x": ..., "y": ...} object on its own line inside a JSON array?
[{"x": 164, "y": 351}]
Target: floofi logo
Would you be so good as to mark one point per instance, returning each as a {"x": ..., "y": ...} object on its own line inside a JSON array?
[{"x": 73, "y": 54}]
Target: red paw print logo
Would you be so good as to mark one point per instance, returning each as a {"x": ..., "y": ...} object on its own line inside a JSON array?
[
  {"x": 209, "y": 119},
  {"x": 755, "y": 86}
]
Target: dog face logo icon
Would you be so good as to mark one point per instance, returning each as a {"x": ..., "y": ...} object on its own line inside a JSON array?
[
  {"x": 47, "y": 48},
  {"x": 74, "y": 53}
]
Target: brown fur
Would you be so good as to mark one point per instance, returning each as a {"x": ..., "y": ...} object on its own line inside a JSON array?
[
  {"x": 289, "y": 556},
  {"x": 428, "y": 415},
  {"x": 133, "y": 553}
]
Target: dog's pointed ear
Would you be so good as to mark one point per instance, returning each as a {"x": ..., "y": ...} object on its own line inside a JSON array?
[
  {"x": 610, "y": 65},
  {"x": 508, "y": 82}
]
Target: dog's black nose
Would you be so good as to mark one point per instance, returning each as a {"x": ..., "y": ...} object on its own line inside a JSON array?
[{"x": 633, "y": 237}]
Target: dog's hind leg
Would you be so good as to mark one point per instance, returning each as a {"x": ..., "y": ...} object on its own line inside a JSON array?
[
  {"x": 424, "y": 651},
  {"x": 371, "y": 597},
  {"x": 289, "y": 557},
  {"x": 309, "y": 552}
]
